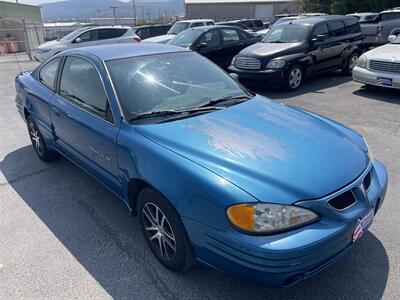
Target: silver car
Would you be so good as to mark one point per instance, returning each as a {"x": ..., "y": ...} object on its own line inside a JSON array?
[
  {"x": 87, "y": 36},
  {"x": 376, "y": 31}
]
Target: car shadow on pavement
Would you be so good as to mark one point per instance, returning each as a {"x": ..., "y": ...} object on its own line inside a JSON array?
[
  {"x": 96, "y": 228},
  {"x": 377, "y": 93},
  {"x": 314, "y": 84}
]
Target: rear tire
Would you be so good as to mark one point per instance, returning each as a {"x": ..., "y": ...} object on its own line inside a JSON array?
[
  {"x": 38, "y": 142},
  {"x": 164, "y": 231},
  {"x": 294, "y": 78},
  {"x": 350, "y": 64}
]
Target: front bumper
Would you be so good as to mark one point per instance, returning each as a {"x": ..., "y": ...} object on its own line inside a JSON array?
[
  {"x": 271, "y": 76},
  {"x": 375, "y": 77},
  {"x": 287, "y": 258}
]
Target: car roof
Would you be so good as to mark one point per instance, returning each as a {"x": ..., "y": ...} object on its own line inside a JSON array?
[
  {"x": 315, "y": 20},
  {"x": 107, "y": 27},
  {"x": 196, "y": 20},
  {"x": 208, "y": 27},
  {"x": 118, "y": 51}
]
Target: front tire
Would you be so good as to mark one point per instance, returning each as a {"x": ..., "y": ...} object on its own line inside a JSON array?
[
  {"x": 294, "y": 78},
  {"x": 350, "y": 64},
  {"x": 38, "y": 142},
  {"x": 164, "y": 231}
]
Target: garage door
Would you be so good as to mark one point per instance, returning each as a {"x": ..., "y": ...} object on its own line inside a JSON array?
[{"x": 264, "y": 12}]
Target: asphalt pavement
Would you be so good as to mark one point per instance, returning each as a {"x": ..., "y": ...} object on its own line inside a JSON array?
[{"x": 63, "y": 235}]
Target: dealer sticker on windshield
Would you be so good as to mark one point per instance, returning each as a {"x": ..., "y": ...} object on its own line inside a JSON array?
[
  {"x": 363, "y": 224},
  {"x": 384, "y": 81}
]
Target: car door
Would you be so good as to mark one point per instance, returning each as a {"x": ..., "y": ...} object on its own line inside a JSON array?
[
  {"x": 209, "y": 45},
  {"x": 84, "y": 126},
  {"x": 231, "y": 45},
  {"x": 338, "y": 41},
  {"x": 321, "y": 51}
]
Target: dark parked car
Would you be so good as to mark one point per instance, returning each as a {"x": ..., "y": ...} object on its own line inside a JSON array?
[
  {"x": 218, "y": 43},
  {"x": 145, "y": 32},
  {"x": 291, "y": 51}
]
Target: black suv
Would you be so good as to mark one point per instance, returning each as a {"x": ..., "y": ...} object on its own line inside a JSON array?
[{"x": 294, "y": 50}]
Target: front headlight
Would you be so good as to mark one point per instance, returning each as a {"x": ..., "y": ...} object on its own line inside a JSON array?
[
  {"x": 267, "y": 218},
  {"x": 276, "y": 64},
  {"x": 362, "y": 61},
  {"x": 369, "y": 151}
]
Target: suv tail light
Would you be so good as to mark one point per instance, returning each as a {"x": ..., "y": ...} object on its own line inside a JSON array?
[{"x": 137, "y": 38}]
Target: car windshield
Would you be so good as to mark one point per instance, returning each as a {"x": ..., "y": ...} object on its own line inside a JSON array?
[
  {"x": 166, "y": 82},
  {"x": 178, "y": 27},
  {"x": 185, "y": 38},
  {"x": 72, "y": 34},
  {"x": 367, "y": 18},
  {"x": 290, "y": 33}
]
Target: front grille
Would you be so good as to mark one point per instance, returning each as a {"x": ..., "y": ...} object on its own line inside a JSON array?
[
  {"x": 250, "y": 63},
  {"x": 367, "y": 181},
  {"x": 343, "y": 201},
  {"x": 385, "y": 66}
]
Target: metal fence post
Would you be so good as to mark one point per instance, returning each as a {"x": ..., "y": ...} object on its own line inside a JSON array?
[{"x": 28, "y": 49}]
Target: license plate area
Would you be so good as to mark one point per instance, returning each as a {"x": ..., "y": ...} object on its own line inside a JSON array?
[
  {"x": 362, "y": 224},
  {"x": 384, "y": 81}
]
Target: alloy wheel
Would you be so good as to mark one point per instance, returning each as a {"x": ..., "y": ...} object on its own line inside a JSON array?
[
  {"x": 158, "y": 230},
  {"x": 353, "y": 62},
  {"x": 35, "y": 137},
  {"x": 295, "y": 78}
]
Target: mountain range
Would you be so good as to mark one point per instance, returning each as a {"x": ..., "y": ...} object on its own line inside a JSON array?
[{"x": 83, "y": 9}]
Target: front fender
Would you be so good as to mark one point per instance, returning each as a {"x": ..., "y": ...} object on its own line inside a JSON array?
[{"x": 194, "y": 191}]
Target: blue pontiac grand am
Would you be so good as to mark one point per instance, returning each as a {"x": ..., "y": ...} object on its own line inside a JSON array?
[{"x": 216, "y": 174}]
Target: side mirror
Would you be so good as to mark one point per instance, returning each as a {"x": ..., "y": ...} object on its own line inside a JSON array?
[
  {"x": 391, "y": 38},
  {"x": 78, "y": 40},
  {"x": 319, "y": 38},
  {"x": 234, "y": 76},
  {"x": 201, "y": 46}
]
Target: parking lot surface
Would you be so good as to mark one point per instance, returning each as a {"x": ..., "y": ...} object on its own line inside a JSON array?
[{"x": 63, "y": 235}]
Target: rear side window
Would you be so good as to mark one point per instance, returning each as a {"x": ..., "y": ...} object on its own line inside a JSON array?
[
  {"x": 230, "y": 36},
  {"x": 248, "y": 24},
  {"x": 209, "y": 23},
  {"x": 111, "y": 33},
  {"x": 143, "y": 33},
  {"x": 390, "y": 16},
  {"x": 258, "y": 23},
  {"x": 81, "y": 84},
  {"x": 321, "y": 30},
  {"x": 48, "y": 73},
  {"x": 197, "y": 24},
  {"x": 337, "y": 28},
  {"x": 352, "y": 26}
]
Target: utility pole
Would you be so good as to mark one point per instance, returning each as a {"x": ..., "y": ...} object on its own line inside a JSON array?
[
  {"x": 115, "y": 16},
  {"x": 142, "y": 14},
  {"x": 134, "y": 11}
]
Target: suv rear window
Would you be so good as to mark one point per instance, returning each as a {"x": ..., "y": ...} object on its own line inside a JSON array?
[{"x": 111, "y": 33}]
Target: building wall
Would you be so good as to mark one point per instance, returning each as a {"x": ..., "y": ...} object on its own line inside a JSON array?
[
  {"x": 11, "y": 24},
  {"x": 230, "y": 11}
]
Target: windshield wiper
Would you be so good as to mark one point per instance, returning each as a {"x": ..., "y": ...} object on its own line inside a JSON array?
[
  {"x": 171, "y": 112},
  {"x": 215, "y": 101}
]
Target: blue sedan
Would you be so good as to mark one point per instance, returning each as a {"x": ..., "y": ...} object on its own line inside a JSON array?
[{"x": 216, "y": 173}]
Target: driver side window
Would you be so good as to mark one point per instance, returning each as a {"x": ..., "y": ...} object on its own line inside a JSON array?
[
  {"x": 89, "y": 36},
  {"x": 321, "y": 30},
  {"x": 210, "y": 38}
]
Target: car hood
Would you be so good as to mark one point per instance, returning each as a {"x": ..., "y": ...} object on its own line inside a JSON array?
[
  {"x": 274, "y": 152},
  {"x": 270, "y": 50},
  {"x": 387, "y": 52},
  {"x": 162, "y": 39},
  {"x": 50, "y": 45}
]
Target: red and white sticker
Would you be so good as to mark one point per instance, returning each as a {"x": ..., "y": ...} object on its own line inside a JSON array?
[{"x": 363, "y": 224}]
